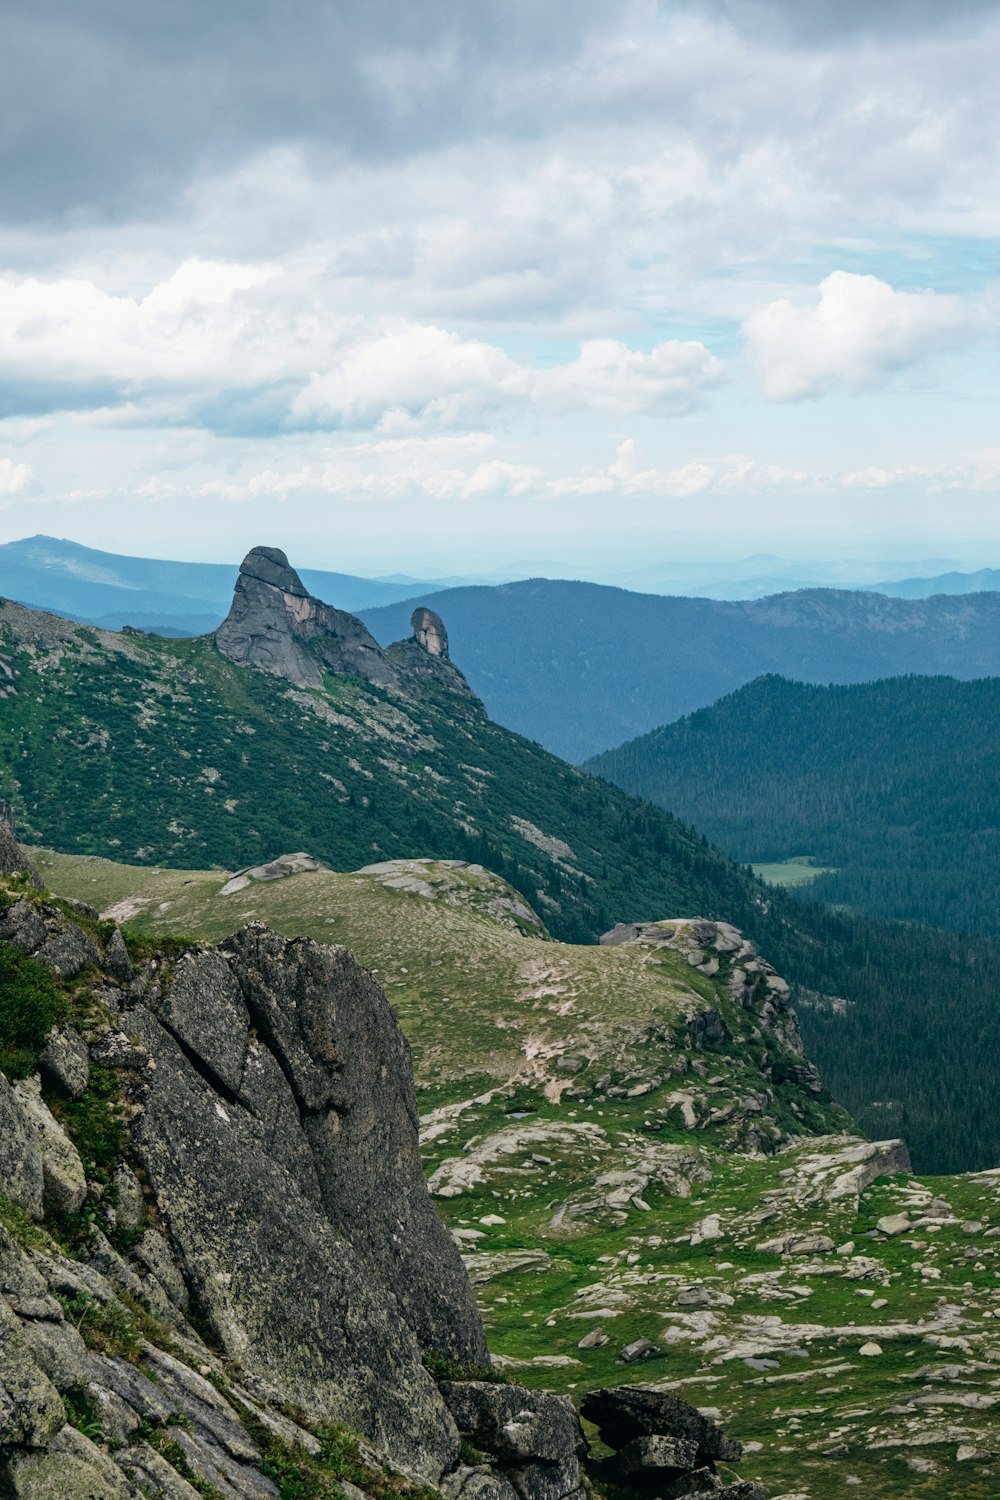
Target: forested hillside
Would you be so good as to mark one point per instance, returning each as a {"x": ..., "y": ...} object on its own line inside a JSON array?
[{"x": 894, "y": 784}]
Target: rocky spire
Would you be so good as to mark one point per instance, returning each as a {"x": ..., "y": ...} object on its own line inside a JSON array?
[
  {"x": 276, "y": 624},
  {"x": 424, "y": 657},
  {"x": 429, "y": 632}
]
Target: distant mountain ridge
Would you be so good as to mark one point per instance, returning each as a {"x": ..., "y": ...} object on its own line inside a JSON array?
[
  {"x": 111, "y": 590},
  {"x": 581, "y": 667}
]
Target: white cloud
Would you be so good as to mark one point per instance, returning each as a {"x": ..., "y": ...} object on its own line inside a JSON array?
[
  {"x": 194, "y": 326},
  {"x": 13, "y": 477},
  {"x": 412, "y": 368},
  {"x": 212, "y": 338},
  {"x": 855, "y": 336},
  {"x": 608, "y": 376}
]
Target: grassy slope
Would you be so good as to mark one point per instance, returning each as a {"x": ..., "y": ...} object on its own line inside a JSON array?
[
  {"x": 475, "y": 998},
  {"x": 479, "y": 1000}
]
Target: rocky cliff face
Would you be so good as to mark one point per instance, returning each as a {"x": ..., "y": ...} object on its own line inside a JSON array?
[
  {"x": 275, "y": 623},
  {"x": 216, "y": 1241}
]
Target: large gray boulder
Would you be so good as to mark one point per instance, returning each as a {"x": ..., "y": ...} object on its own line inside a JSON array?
[
  {"x": 71, "y": 1467},
  {"x": 336, "y": 1040},
  {"x": 30, "y": 1408}
]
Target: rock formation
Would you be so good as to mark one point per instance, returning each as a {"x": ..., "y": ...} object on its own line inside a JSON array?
[
  {"x": 13, "y": 860},
  {"x": 275, "y": 623},
  {"x": 429, "y": 632},
  {"x": 754, "y": 984},
  {"x": 424, "y": 657},
  {"x": 258, "y": 1255}
]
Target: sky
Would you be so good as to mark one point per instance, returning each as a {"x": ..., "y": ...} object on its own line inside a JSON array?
[{"x": 455, "y": 284}]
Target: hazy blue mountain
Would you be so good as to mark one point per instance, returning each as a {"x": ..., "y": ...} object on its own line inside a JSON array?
[
  {"x": 943, "y": 583},
  {"x": 176, "y": 598},
  {"x": 580, "y": 666},
  {"x": 895, "y": 784}
]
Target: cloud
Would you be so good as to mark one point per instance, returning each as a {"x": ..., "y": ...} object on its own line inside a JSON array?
[
  {"x": 426, "y": 372},
  {"x": 435, "y": 469},
  {"x": 70, "y": 334},
  {"x": 13, "y": 477},
  {"x": 630, "y": 476},
  {"x": 818, "y": 23},
  {"x": 219, "y": 343},
  {"x": 670, "y": 380},
  {"x": 124, "y": 104},
  {"x": 857, "y": 334},
  {"x": 413, "y": 369}
]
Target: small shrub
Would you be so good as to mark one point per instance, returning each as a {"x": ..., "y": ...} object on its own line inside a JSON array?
[
  {"x": 159, "y": 1438},
  {"x": 22, "y": 1226},
  {"x": 30, "y": 1005},
  {"x": 82, "y": 1413},
  {"x": 305, "y": 1476},
  {"x": 96, "y": 1124}
]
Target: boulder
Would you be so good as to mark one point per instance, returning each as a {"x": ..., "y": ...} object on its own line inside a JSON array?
[
  {"x": 284, "y": 1293},
  {"x": 638, "y": 1349},
  {"x": 648, "y": 1460},
  {"x": 70, "y": 1468},
  {"x": 23, "y": 925},
  {"x": 20, "y": 1154},
  {"x": 274, "y": 1116},
  {"x": 30, "y": 1407},
  {"x": 477, "y": 1483},
  {"x": 67, "y": 951},
  {"x": 116, "y": 958},
  {"x": 534, "y": 1436},
  {"x": 130, "y": 1206},
  {"x": 335, "y": 1038},
  {"x": 631, "y": 1411},
  {"x": 64, "y": 1184},
  {"x": 65, "y": 1063}
]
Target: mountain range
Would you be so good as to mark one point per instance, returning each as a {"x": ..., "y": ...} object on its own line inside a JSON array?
[
  {"x": 579, "y": 667},
  {"x": 582, "y": 668}
]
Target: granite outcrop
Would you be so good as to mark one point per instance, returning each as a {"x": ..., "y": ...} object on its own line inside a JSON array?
[{"x": 275, "y": 624}]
